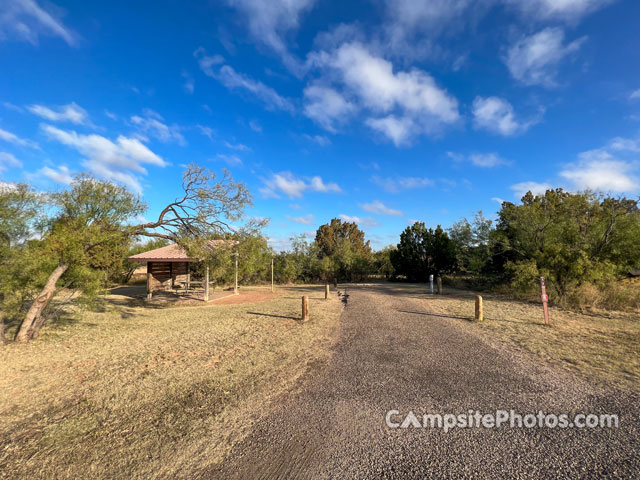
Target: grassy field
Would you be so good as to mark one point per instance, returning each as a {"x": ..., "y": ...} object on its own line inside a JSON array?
[
  {"x": 152, "y": 392},
  {"x": 605, "y": 346}
]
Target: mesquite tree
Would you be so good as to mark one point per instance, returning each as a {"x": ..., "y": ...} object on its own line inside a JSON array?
[{"x": 90, "y": 230}]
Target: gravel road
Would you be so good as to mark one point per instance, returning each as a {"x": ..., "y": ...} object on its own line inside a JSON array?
[{"x": 392, "y": 354}]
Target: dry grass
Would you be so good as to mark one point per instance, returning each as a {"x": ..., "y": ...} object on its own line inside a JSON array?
[
  {"x": 603, "y": 346},
  {"x": 152, "y": 392}
]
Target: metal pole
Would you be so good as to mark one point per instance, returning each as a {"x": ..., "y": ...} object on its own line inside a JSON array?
[
  {"x": 430, "y": 283},
  {"x": 272, "y": 274},
  {"x": 545, "y": 300},
  {"x": 235, "y": 288}
]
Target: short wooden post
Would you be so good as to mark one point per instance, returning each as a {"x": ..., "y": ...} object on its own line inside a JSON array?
[
  {"x": 272, "y": 289},
  {"x": 305, "y": 308},
  {"x": 439, "y": 285},
  {"x": 206, "y": 284},
  {"x": 326, "y": 291},
  {"x": 479, "y": 313}
]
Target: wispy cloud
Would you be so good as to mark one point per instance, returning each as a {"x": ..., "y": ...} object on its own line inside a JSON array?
[
  {"x": 26, "y": 20},
  {"x": 234, "y": 80},
  {"x": 380, "y": 208},
  {"x": 288, "y": 184},
  {"x": 121, "y": 160},
  {"x": 519, "y": 189},
  {"x": 60, "y": 175},
  {"x": 8, "y": 160},
  {"x": 304, "y": 220},
  {"x": 321, "y": 140},
  {"x": 237, "y": 146},
  {"x": 635, "y": 94},
  {"x": 152, "y": 123},
  {"x": 487, "y": 160},
  {"x": 326, "y": 107},
  {"x": 534, "y": 60},
  {"x": 14, "y": 139},
  {"x": 189, "y": 83},
  {"x": 232, "y": 160},
  {"x": 72, "y": 113},
  {"x": 362, "y": 221},
  {"x": 397, "y": 184}
]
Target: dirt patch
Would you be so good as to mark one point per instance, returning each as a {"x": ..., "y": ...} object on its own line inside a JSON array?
[{"x": 247, "y": 296}]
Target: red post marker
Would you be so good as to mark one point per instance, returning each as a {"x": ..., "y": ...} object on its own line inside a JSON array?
[{"x": 545, "y": 300}]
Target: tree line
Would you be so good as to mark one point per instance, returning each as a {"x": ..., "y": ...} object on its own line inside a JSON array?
[{"x": 78, "y": 240}]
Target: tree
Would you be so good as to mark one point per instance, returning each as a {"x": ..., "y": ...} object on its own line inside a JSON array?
[
  {"x": 472, "y": 241},
  {"x": 422, "y": 252},
  {"x": 332, "y": 236},
  {"x": 90, "y": 231},
  {"x": 343, "y": 250},
  {"x": 571, "y": 238},
  {"x": 382, "y": 264}
]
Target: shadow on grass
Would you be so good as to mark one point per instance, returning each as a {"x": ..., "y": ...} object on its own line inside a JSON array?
[
  {"x": 427, "y": 314},
  {"x": 272, "y": 315}
]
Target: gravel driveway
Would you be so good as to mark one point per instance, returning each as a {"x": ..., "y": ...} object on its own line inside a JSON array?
[{"x": 392, "y": 354}]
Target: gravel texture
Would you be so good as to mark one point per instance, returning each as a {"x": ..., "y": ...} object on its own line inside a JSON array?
[{"x": 392, "y": 354}]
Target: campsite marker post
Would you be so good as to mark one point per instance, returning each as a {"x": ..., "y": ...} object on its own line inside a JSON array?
[
  {"x": 235, "y": 288},
  {"x": 431, "y": 283},
  {"x": 305, "y": 308},
  {"x": 545, "y": 300},
  {"x": 271, "y": 273}
]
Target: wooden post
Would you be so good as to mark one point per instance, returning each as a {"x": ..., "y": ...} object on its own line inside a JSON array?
[
  {"x": 305, "y": 308},
  {"x": 335, "y": 283},
  {"x": 272, "y": 290},
  {"x": 479, "y": 313},
  {"x": 439, "y": 285},
  {"x": 149, "y": 281},
  {"x": 235, "y": 288},
  {"x": 545, "y": 300},
  {"x": 206, "y": 284},
  {"x": 326, "y": 291}
]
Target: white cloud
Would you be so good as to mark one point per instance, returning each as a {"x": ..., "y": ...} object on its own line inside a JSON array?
[
  {"x": 294, "y": 187},
  {"x": 207, "y": 62},
  {"x": 635, "y": 94},
  {"x": 60, "y": 175},
  {"x": 206, "y": 131},
  {"x": 401, "y": 104},
  {"x": 304, "y": 220},
  {"x": 321, "y": 140},
  {"x": 237, "y": 146},
  {"x": 8, "y": 160},
  {"x": 568, "y": 10},
  {"x": 625, "y": 144},
  {"x": 122, "y": 160},
  {"x": 497, "y": 116},
  {"x": 72, "y": 112},
  {"x": 380, "y": 208},
  {"x": 269, "y": 21},
  {"x": 362, "y": 221},
  {"x": 234, "y": 80},
  {"x": 230, "y": 159},
  {"x": 600, "y": 171},
  {"x": 255, "y": 126},
  {"x": 326, "y": 106},
  {"x": 486, "y": 160},
  {"x": 13, "y": 138},
  {"x": 398, "y": 130},
  {"x": 536, "y": 188},
  {"x": 498, "y": 199},
  {"x": 152, "y": 124},
  {"x": 534, "y": 60},
  {"x": 397, "y": 184},
  {"x": 189, "y": 84},
  {"x": 26, "y": 20}
]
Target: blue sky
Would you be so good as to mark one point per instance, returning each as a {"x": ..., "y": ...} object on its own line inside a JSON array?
[{"x": 381, "y": 111}]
